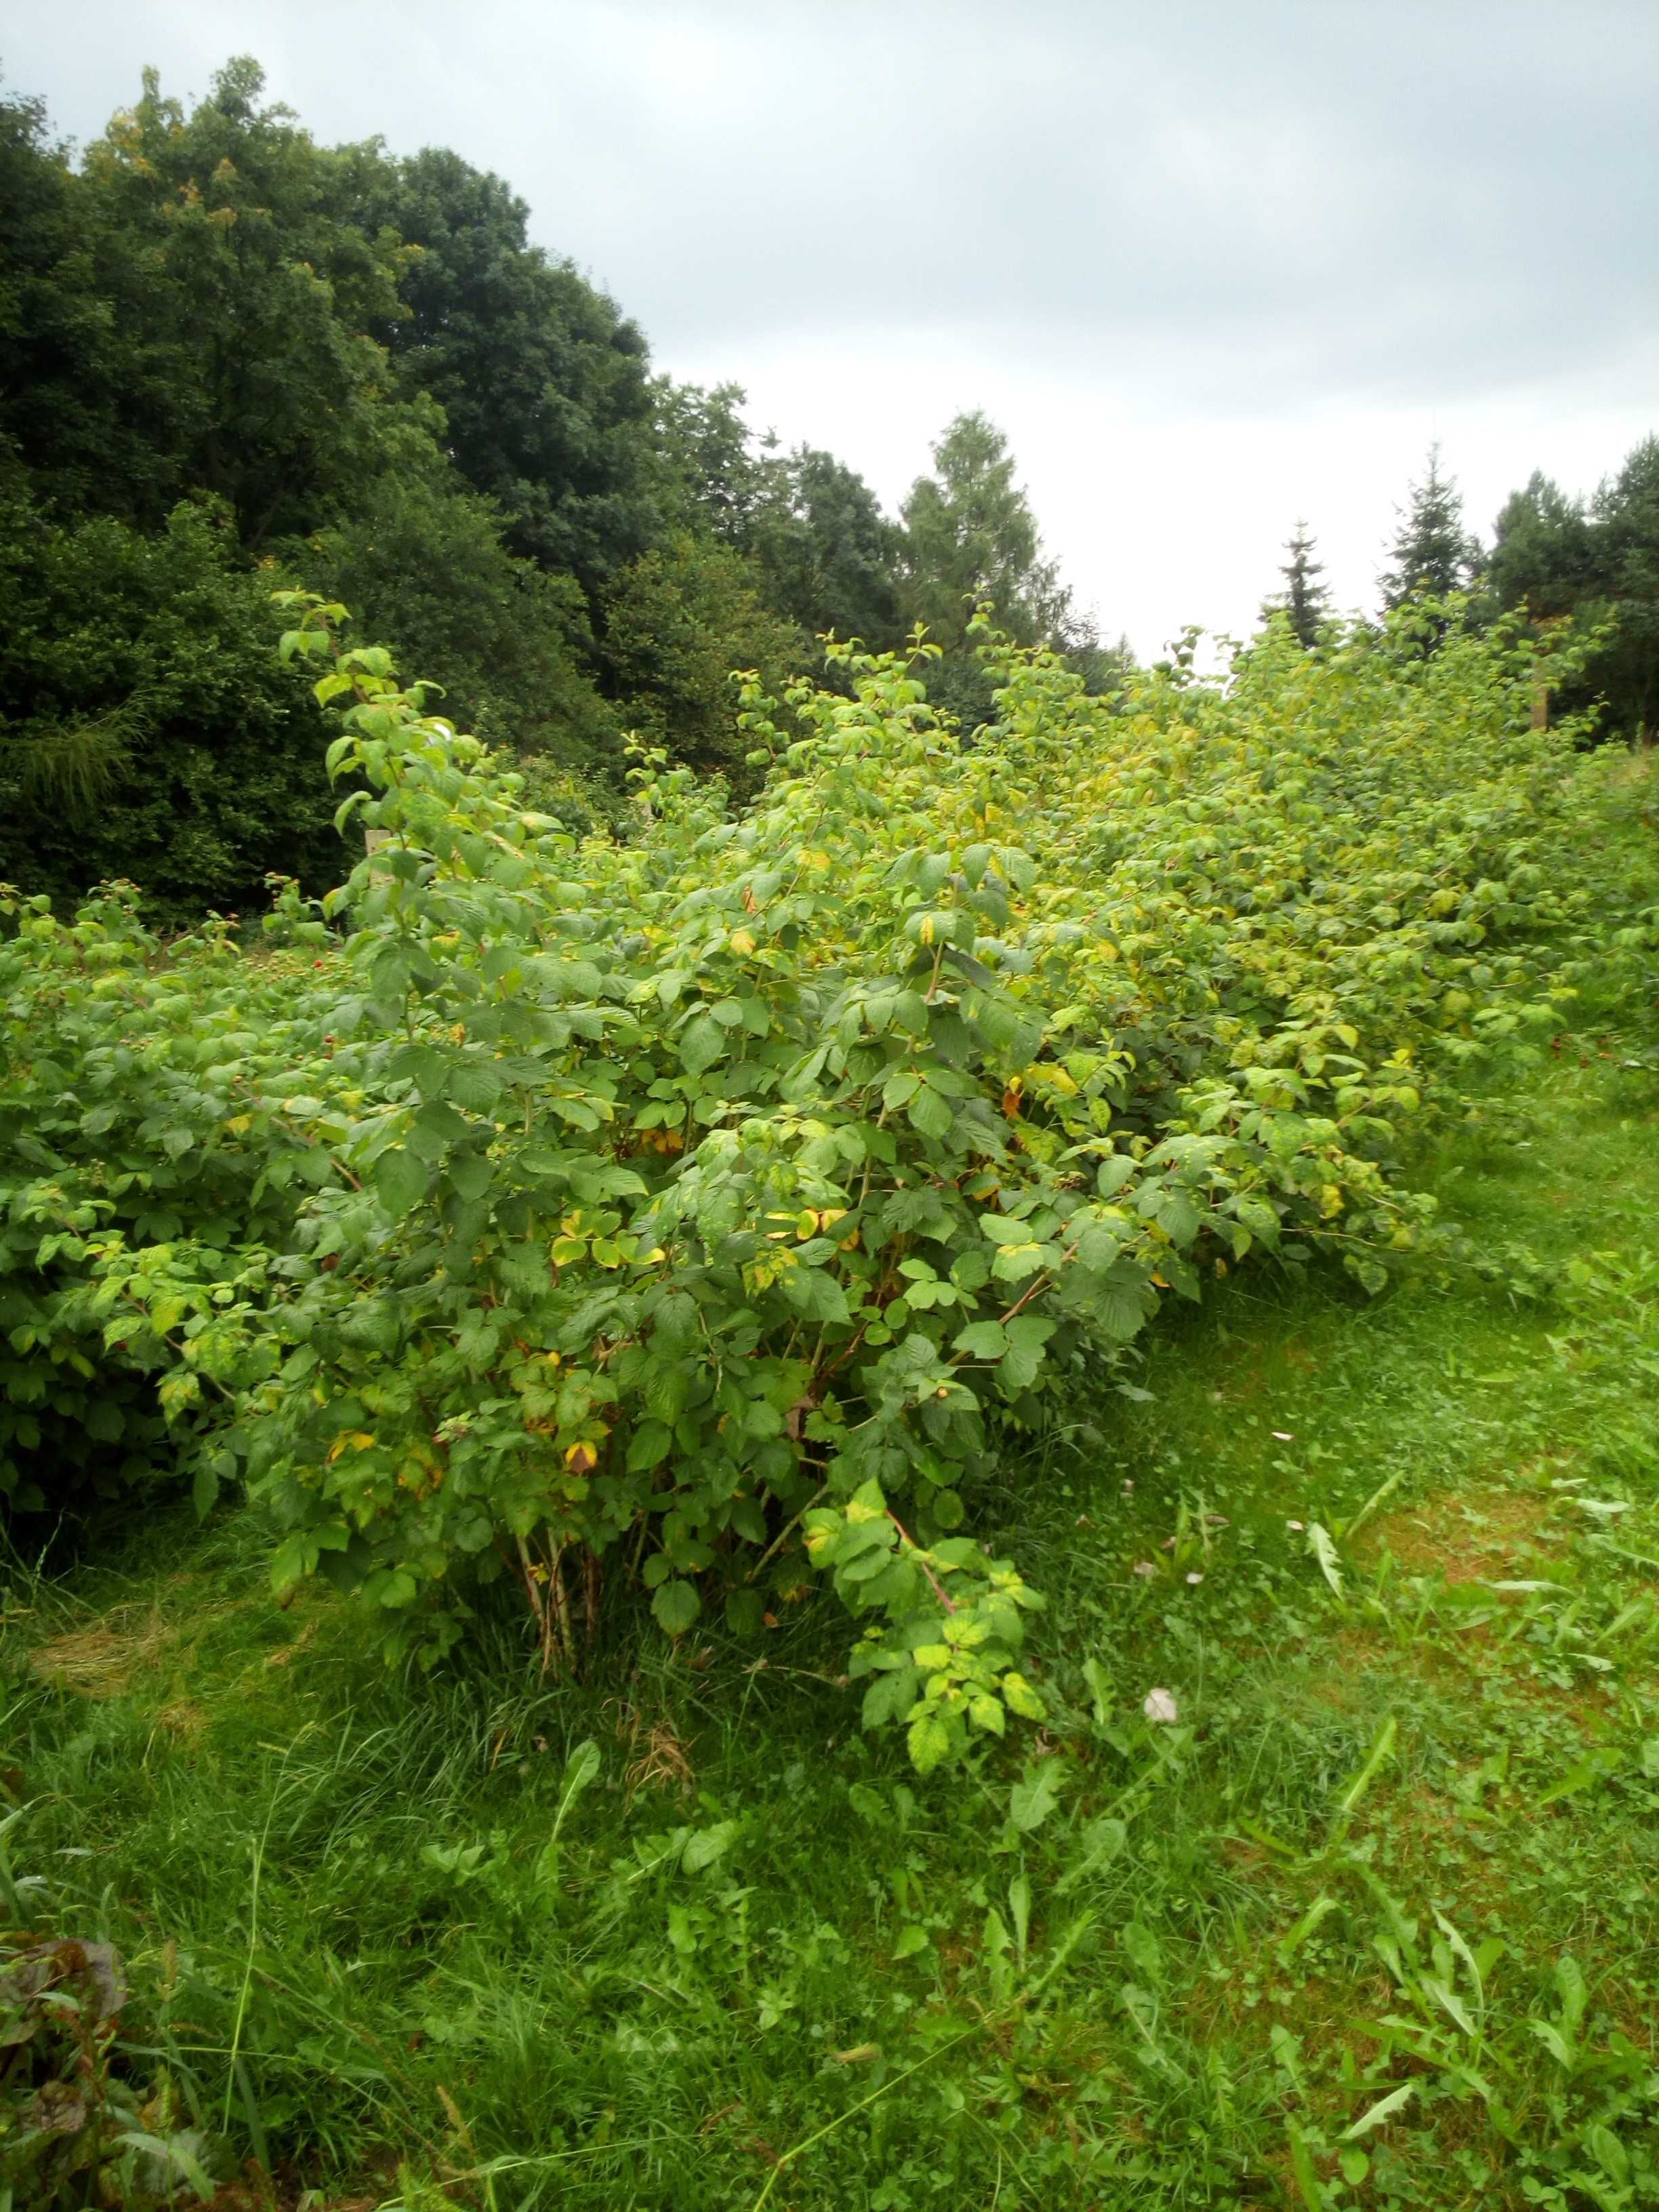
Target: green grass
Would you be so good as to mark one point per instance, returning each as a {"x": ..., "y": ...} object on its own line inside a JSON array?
[{"x": 1400, "y": 1842}]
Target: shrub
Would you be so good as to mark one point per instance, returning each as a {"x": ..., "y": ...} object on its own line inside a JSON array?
[
  {"x": 712, "y": 1201},
  {"x": 142, "y": 1095}
]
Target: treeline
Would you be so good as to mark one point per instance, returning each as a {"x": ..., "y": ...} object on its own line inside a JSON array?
[
  {"x": 1555, "y": 555},
  {"x": 233, "y": 359}
]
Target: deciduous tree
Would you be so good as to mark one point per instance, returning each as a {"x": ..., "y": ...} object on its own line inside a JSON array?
[{"x": 970, "y": 534}]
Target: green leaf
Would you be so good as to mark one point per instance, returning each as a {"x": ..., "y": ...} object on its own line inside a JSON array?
[
  {"x": 890, "y": 1696},
  {"x": 1022, "y": 1698},
  {"x": 401, "y": 1180},
  {"x": 817, "y": 1293},
  {"x": 1035, "y": 1796},
  {"x": 931, "y": 1114},
  {"x": 1013, "y": 1032},
  {"x": 1383, "y": 2109},
  {"x": 983, "y": 1339},
  {"x": 1014, "y": 1262},
  {"x": 745, "y": 1611},
  {"x": 1002, "y": 1231},
  {"x": 477, "y": 1084},
  {"x": 702, "y": 1041},
  {"x": 1178, "y": 1218},
  {"x": 582, "y": 1768},
  {"x": 704, "y": 1847},
  {"x": 929, "y": 1741},
  {"x": 204, "y": 1490},
  {"x": 649, "y": 1446},
  {"x": 675, "y": 1605},
  {"x": 470, "y": 1176},
  {"x": 1119, "y": 1311}
]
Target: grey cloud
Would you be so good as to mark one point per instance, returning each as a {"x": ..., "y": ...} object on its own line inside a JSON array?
[
  {"x": 1245, "y": 206},
  {"x": 1211, "y": 265}
]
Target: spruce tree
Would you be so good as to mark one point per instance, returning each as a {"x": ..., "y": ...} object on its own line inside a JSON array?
[
  {"x": 1304, "y": 598},
  {"x": 1432, "y": 551}
]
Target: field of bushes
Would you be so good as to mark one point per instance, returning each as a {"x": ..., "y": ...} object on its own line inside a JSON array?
[{"x": 938, "y": 1489}]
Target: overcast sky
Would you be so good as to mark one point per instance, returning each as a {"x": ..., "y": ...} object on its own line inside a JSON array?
[{"x": 1211, "y": 267}]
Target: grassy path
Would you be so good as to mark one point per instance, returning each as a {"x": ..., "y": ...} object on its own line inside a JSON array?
[{"x": 1366, "y": 1913}]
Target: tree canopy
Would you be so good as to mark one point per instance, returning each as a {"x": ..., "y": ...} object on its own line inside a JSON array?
[
  {"x": 544, "y": 383},
  {"x": 970, "y": 534},
  {"x": 1558, "y": 557}
]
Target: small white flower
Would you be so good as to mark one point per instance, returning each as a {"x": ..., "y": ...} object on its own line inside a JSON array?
[
  {"x": 1128, "y": 1483},
  {"x": 1144, "y": 1567},
  {"x": 1296, "y": 1525},
  {"x": 1161, "y": 1707},
  {"x": 1194, "y": 1578}
]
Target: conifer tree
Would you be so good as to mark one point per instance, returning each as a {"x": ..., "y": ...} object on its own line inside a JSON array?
[
  {"x": 1432, "y": 550},
  {"x": 1304, "y": 598}
]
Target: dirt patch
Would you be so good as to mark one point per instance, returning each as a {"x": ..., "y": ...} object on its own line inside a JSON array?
[
  {"x": 1464, "y": 1536},
  {"x": 101, "y": 1661},
  {"x": 1343, "y": 1682}
]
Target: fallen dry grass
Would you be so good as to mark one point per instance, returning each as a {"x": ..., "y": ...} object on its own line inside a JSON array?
[{"x": 101, "y": 1660}]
